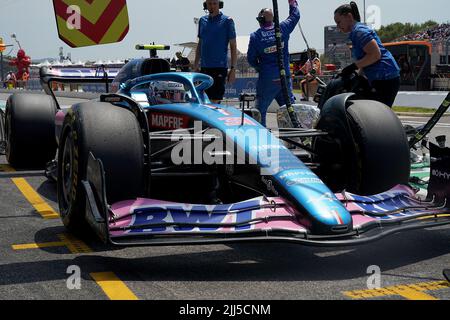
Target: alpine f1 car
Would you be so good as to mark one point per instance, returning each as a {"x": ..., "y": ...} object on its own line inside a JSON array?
[{"x": 156, "y": 163}]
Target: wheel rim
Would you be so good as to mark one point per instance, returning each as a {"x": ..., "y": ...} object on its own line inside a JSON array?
[{"x": 67, "y": 172}]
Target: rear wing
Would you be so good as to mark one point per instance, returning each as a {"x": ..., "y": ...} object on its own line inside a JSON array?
[{"x": 101, "y": 76}]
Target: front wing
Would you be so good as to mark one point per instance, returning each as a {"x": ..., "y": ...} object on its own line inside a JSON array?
[{"x": 154, "y": 222}]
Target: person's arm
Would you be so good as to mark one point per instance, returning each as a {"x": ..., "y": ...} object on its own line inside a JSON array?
[
  {"x": 233, "y": 49},
  {"x": 373, "y": 55},
  {"x": 365, "y": 39},
  {"x": 294, "y": 17},
  {"x": 198, "y": 53},
  {"x": 198, "y": 50},
  {"x": 252, "y": 54},
  {"x": 232, "y": 72}
]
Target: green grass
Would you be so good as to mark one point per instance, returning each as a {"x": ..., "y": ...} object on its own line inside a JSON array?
[{"x": 414, "y": 110}]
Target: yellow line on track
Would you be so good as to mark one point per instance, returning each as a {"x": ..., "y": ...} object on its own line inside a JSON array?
[
  {"x": 66, "y": 240},
  {"x": 411, "y": 294},
  {"x": 38, "y": 245},
  {"x": 113, "y": 287},
  {"x": 31, "y": 195},
  {"x": 409, "y": 291},
  {"x": 35, "y": 199},
  {"x": 73, "y": 244}
]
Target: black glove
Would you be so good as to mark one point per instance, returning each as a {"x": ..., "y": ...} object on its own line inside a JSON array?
[{"x": 349, "y": 70}]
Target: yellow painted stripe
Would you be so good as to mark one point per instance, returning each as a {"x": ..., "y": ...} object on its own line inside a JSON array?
[
  {"x": 113, "y": 287},
  {"x": 73, "y": 244},
  {"x": 91, "y": 12},
  {"x": 411, "y": 294},
  {"x": 35, "y": 199},
  {"x": 117, "y": 28},
  {"x": 74, "y": 36},
  {"x": 38, "y": 245},
  {"x": 409, "y": 291}
]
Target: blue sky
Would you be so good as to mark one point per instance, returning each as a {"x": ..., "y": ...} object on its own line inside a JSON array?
[{"x": 170, "y": 22}]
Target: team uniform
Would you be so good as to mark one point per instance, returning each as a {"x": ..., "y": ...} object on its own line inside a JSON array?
[
  {"x": 384, "y": 75},
  {"x": 215, "y": 34},
  {"x": 262, "y": 55}
]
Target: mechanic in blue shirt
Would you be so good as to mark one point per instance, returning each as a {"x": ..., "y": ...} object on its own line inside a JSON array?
[
  {"x": 262, "y": 55},
  {"x": 372, "y": 58},
  {"x": 215, "y": 32}
]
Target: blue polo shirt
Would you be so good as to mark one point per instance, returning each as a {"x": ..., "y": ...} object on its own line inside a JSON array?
[
  {"x": 385, "y": 69},
  {"x": 215, "y": 34}
]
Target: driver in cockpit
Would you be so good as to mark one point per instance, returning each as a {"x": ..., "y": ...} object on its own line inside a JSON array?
[{"x": 166, "y": 92}]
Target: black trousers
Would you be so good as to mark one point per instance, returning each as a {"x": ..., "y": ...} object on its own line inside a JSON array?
[
  {"x": 217, "y": 91},
  {"x": 385, "y": 91}
]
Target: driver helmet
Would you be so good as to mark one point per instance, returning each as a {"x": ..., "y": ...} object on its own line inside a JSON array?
[{"x": 167, "y": 92}]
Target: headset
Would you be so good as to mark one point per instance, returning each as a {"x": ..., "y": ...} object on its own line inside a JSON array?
[
  {"x": 205, "y": 6},
  {"x": 261, "y": 18}
]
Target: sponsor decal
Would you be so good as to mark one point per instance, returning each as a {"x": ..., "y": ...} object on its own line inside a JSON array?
[
  {"x": 271, "y": 49},
  {"x": 440, "y": 174},
  {"x": 168, "y": 121},
  {"x": 300, "y": 181},
  {"x": 193, "y": 214},
  {"x": 236, "y": 121},
  {"x": 291, "y": 174}
]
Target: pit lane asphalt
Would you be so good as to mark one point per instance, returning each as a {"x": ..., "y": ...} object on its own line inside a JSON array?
[{"x": 270, "y": 271}]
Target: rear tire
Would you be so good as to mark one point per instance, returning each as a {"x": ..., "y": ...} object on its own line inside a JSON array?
[
  {"x": 114, "y": 136},
  {"x": 30, "y": 130}
]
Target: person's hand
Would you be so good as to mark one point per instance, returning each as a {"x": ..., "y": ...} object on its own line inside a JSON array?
[
  {"x": 232, "y": 75},
  {"x": 349, "y": 70}
]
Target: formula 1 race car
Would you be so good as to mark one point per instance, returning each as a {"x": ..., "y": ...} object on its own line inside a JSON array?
[{"x": 156, "y": 163}]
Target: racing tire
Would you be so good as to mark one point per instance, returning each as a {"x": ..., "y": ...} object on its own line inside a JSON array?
[
  {"x": 114, "y": 136},
  {"x": 366, "y": 151},
  {"x": 30, "y": 130},
  {"x": 383, "y": 154}
]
